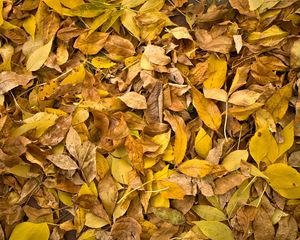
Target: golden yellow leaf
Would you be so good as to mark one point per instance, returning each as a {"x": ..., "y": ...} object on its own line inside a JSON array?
[
  {"x": 215, "y": 230},
  {"x": 277, "y": 104},
  {"x": 203, "y": 143},
  {"x": 196, "y": 168},
  {"x": 30, "y": 231},
  {"x": 120, "y": 169},
  {"x": 217, "y": 70},
  {"x": 99, "y": 21},
  {"x": 180, "y": 144},
  {"x": 263, "y": 146},
  {"x": 284, "y": 179},
  {"x": 233, "y": 160},
  {"x": 206, "y": 109},
  {"x": 159, "y": 201},
  {"x": 102, "y": 62},
  {"x": 152, "y": 6},
  {"x": 209, "y": 213},
  {"x": 76, "y": 76},
  {"x": 29, "y": 25},
  {"x": 243, "y": 113},
  {"x": 171, "y": 190},
  {"x": 288, "y": 138},
  {"x": 91, "y": 44},
  {"x": 129, "y": 22}
]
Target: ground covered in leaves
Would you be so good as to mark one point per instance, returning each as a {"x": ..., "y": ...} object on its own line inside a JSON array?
[{"x": 149, "y": 119}]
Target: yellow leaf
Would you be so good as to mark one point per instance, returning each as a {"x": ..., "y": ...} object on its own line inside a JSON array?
[
  {"x": 162, "y": 139},
  {"x": 217, "y": 70},
  {"x": 172, "y": 190},
  {"x": 76, "y": 76},
  {"x": 159, "y": 201},
  {"x": 88, "y": 235},
  {"x": 215, "y": 230},
  {"x": 263, "y": 146},
  {"x": 128, "y": 21},
  {"x": 152, "y": 6},
  {"x": 269, "y": 37},
  {"x": 55, "y": 4},
  {"x": 195, "y": 168},
  {"x": 72, "y": 4},
  {"x": 30, "y": 25},
  {"x": 233, "y": 160},
  {"x": 40, "y": 121},
  {"x": 207, "y": 110},
  {"x": 80, "y": 116},
  {"x": 30, "y": 231},
  {"x": 164, "y": 173},
  {"x": 288, "y": 138},
  {"x": 203, "y": 143},
  {"x": 120, "y": 169},
  {"x": 65, "y": 198},
  {"x": 240, "y": 78},
  {"x": 284, "y": 179},
  {"x": 99, "y": 21},
  {"x": 277, "y": 105},
  {"x": 209, "y": 213},
  {"x": 38, "y": 57},
  {"x": 94, "y": 221},
  {"x": 91, "y": 44},
  {"x": 102, "y": 62},
  {"x": 1, "y": 16},
  {"x": 180, "y": 144},
  {"x": 132, "y": 3},
  {"x": 255, "y": 4},
  {"x": 243, "y": 113}
]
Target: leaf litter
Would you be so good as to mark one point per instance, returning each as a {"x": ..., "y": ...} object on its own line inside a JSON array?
[{"x": 149, "y": 119}]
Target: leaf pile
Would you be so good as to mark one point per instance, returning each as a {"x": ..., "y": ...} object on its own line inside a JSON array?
[{"x": 149, "y": 119}]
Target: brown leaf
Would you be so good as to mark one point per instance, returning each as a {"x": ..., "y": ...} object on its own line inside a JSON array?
[
  {"x": 156, "y": 55},
  {"x": 126, "y": 228},
  {"x": 134, "y": 100},
  {"x": 63, "y": 161},
  {"x": 224, "y": 184},
  {"x": 262, "y": 226},
  {"x": 118, "y": 46},
  {"x": 56, "y": 133},
  {"x": 10, "y": 80},
  {"x": 91, "y": 44},
  {"x": 108, "y": 193},
  {"x": 135, "y": 152}
]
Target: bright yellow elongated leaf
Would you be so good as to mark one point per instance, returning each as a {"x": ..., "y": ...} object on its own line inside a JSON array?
[
  {"x": 76, "y": 76},
  {"x": 284, "y": 179},
  {"x": 233, "y": 160},
  {"x": 243, "y": 113},
  {"x": 162, "y": 139},
  {"x": 152, "y": 6},
  {"x": 217, "y": 70},
  {"x": 277, "y": 105},
  {"x": 30, "y": 25},
  {"x": 288, "y": 138},
  {"x": 209, "y": 213},
  {"x": 38, "y": 57},
  {"x": 207, "y": 110},
  {"x": 102, "y": 62},
  {"x": 203, "y": 143},
  {"x": 1, "y": 16},
  {"x": 215, "y": 230},
  {"x": 195, "y": 168},
  {"x": 263, "y": 147},
  {"x": 180, "y": 144},
  {"x": 159, "y": 201},
  {"x": 30, "y": 231},
  {"x": 99, "y": 21},
  {"x": 132, "y": 3},
  {"x": 268, "y": 36},
  {"x": 128, "y": 21},
  {"x": 71, "y": 4}
]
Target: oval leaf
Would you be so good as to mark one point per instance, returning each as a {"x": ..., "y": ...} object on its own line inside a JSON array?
[
  {"x": 215, "y": 230},
  {"x": 209, "y": 213},
  {"x": 30, "y": 231}
]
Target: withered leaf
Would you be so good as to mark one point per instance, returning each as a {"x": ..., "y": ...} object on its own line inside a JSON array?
[
  {"x": 10, "y": 80},
  {"x": 126, "y": 228},
  {"x": 63, "y": 161},
  {"x": 118, "y": 46}
]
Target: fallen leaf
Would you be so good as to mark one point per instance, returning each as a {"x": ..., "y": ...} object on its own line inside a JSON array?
[
  {"x": 10, "y": 80},
  {"x": 215, "y": 230},
  {"x": 126, "y": 228},
  {"x": 134, "y": 100},
  {"x": 63, "y": 161},
  {"x": 91, "y": 44},
  {"x": 233, "y": 160},
  {"x": 207, "y": 110},
  {"x": 203, "y": 143},
  {"x": 284, "y": 179},
  {"x": 30, "y": 231},
  {"x": 195, "y": 168},
  {"x": 118, "y": 46},
  {"x": 169, "y": 215},
  {"x": 156, "y": 55},
  {"x": 209, "y": 213}
]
